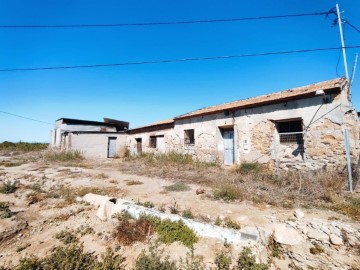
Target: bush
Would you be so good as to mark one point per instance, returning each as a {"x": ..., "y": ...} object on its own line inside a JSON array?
[
  {"x": 187, "y": 214},
  {"x": 228, "y": 223},
  {"x": 247, "y": 261},
  {"x": 227, "y": 192},
  {"x": 316, "y": 249},
  {"x": 5, "y": 211},
  {"x": 8, "y": 187},
  {"x": 35, "y": 197},
  {"x": 134, "y": 182},
  {"x": 130, "y": 231},
  {"x": 73, "y": 257},
  {"x": 66, "y": 237},
  {"x": 222, "y": 261},
  {"x": 154, "y": 259},
  {"x": 172, "y": 231}
]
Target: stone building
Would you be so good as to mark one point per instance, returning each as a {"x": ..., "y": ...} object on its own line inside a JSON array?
[{"x": 301, "y": 127}]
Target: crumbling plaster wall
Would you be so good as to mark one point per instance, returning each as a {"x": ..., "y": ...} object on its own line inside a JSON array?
[
  {"x": 145, "y": 138},
  {"x": 94, "y": 145},
  {"x": 254, "y": 131}
]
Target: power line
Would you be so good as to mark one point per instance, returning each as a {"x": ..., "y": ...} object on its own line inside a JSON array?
[
  {"x": 352, "y": 26},
  {"x": 177, "y": 60},
  {"x": 24, "y": 117},
  {"x": 168, "y": 22}
]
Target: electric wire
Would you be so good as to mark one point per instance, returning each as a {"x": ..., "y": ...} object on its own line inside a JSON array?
[
  {"x": 24, "y": 117},
  {"x": 177, "y": 60},
  {"x": 352, "y": 26},
  {"x": 168, "y": 22}
]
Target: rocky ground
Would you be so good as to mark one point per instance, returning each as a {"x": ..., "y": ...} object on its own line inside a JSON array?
[{"x": 44, "y": 204}]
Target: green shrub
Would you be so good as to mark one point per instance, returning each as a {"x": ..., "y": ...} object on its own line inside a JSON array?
[
  {"x": 5, "y": 211},
  {"x": 222, "y": 261},
  {"x": 187, "y": 214},
  {"x": 66, "y": 237},
  {"x": 123, "y": 215},
  {"x": 316, "y": 249},
  {"x": 148, "y": 204},
  {"x": 172, "y": 231},
  {"x": 174, "y": 208},
  {"x": 37, "y": 187},
  {"x": 247, "y": 261},
  {"x": 179, "y": 186},
  {"x": 73, "y": 257},
  {"x": 275, "y": 248},
  {"x": 154, "y": 259},
  {"x": 8, "y": 187}
]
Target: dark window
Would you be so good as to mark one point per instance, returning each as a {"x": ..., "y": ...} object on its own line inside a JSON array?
[
  {"x": 189, "y": 136},
  {"x": 290, "y": 131},
  {"x": 152, "y": 143}
]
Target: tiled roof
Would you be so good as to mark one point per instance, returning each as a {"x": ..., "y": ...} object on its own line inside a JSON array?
[{"x": 290, "y": 94}]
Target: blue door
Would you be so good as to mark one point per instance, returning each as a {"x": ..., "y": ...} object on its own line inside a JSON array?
[{"x": 228, "y": 136}]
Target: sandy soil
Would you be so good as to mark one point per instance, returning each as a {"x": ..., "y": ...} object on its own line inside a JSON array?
[{"x": 34, "y": 226}]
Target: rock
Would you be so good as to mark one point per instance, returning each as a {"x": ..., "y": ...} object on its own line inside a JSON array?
[
  {"x": 299, "y": 214},
  {"x": 317, "y": 235},
  {"x": 287, "y": 235},
  {"x": 200, "y": 191},
  {"x": 335, "y": 240}
]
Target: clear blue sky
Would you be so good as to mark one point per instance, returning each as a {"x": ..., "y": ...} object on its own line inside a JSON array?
[{"x": 143, "y": 94}]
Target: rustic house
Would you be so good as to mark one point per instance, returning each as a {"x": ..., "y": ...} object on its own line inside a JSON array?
[
  {"x": 92, "y": 138},
  {"x": 301, "y": 127}
]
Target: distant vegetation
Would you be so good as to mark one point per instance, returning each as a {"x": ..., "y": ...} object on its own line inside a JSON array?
[{"x": 23, "y": 146}]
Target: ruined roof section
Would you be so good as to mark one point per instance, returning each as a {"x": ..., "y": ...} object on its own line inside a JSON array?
[
  {"x": 158, "y": 125},
  {"x": 286, "y": 95}
]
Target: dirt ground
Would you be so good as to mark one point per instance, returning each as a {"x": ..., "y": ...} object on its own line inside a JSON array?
[{"x": 32, "y": 228}]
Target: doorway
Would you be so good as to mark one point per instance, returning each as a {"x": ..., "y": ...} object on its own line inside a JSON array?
[
  {"x": 111, "y": 147},
  {"x": 138, "y": 145},
  {"x": 228, "y": 139}
]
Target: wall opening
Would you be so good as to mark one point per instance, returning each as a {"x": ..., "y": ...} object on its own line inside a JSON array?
[
  {"x": 189, "y": 137},
  {"x": 138, "y": 145},
  {"x": 290, "y": 131},
  {"x": 111, "y": 147}
]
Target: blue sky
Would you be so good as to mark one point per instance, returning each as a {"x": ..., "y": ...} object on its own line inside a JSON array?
[{"x": 147, "y": 93}]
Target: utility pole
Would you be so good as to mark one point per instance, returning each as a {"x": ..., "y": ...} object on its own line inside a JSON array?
[
  {"x": 342, "y": 41},
  {"x": 353, "y": 70}
]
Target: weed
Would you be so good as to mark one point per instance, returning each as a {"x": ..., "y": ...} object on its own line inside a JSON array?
[
  {"x": 316, "y": 249},
  {"x": 102, "y": 176},
  {"x": 249, "y": 167},
  {"x": 9, "y": 187},
  {"x": 228, "y": 223},
  {"x": 123, "y": 215},
  {"x": 247, "y": 261},
  {"x": 351, "y": 207},
  {"x": 5, "y": 211},
  {"x": 66, "y": 237},
  {"x": 174, "y": 208},
  {"x": 162, "y": 208},
  {"x": 222, "y": 261},
  {"x": 187, "y": 214},
  {"x": 11, "y": 164},
  {"x": 275, "y": 248},
  {"x": 192, "y": 261},
  {"x": 218, "y": 221},
  {"x": 63, "y": 156},
  {"x": 134, "y": 182},
  {"x": 148, "y": 204},
  {"x": 34, "y": 197},
  {"x": 84, "y": 230},
  {"x": 22, "y": 146},
  {"x": 179, "y": 186},
  {"x": 130, "y": 231},
  {"x": 108, "y": 191},
  {"x": 73, "y": 257},
  {"x": 23, "y": 247},
  {"x": 227, "y": 192},
  {"x": 154, "y": 259},
  {"x": 37, "y": 188}
]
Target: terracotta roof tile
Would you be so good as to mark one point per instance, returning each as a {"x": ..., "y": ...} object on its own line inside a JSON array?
[{"x": 269, "y": 98}]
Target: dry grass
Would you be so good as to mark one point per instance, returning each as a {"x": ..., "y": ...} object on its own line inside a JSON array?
[
  {"x": 22, "y": 147},
  {"x": 62, "y": 156},
  {"x": 134, "y": 182},
  {"x": 131, "y": 231}
]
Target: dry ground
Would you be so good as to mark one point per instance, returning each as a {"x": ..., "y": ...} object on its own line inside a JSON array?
[{"x": 52, "y": 208}]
